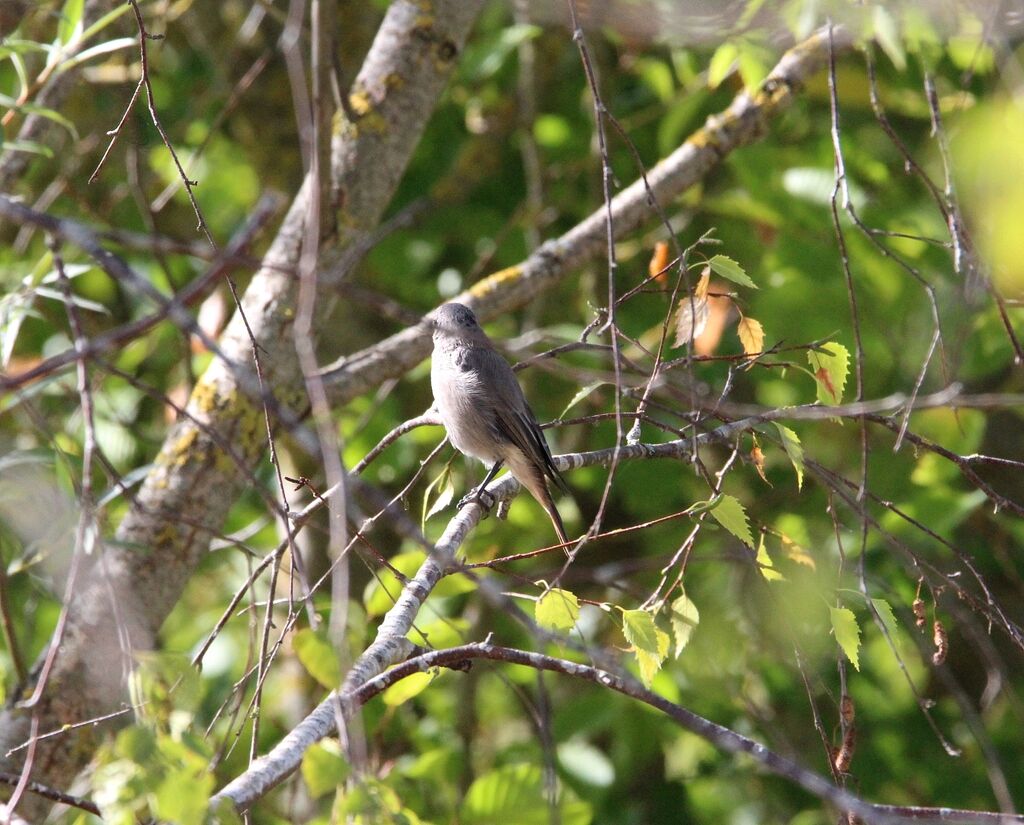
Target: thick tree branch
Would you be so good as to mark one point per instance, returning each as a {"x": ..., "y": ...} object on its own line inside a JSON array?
[
  {"x": 147, "y": 568},
  {"x": 742, "y": 123}
]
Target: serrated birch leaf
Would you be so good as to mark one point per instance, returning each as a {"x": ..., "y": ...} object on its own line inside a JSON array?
[
  {"x": 684, "y": 617},
  {"x": 650, "y": 663},
  {"x": 751, "y": 336},
  {"x": 847, "y": 633},
  {"x": 731, "y": 515},
  {"x": 794, "y": 449},
  {"x": 640, "y": 630},
  {"x": 691, "y": 318},
  {"x": 557, "y": 609},
  {"x": 730, "y": 270},
  {"x": 830, "y": 370},
  {"x": 884, "y": 610}
]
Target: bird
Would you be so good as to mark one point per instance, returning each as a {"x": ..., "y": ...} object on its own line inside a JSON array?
[{"x": 484, "y": 411}]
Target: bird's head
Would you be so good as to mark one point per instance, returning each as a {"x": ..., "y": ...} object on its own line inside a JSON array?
[{"x": 456, "y": 321}]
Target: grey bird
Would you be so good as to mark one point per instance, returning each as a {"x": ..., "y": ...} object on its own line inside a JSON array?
[{"x": 484, "y": 410}]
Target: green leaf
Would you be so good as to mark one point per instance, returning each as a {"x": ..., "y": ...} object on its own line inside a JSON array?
[
  {"x": 586, "y": 763},
  {"x": 755, "y": 61},
  {"x": 816, "y": 185},
  {"x": 650, "y": 644},
  {"x": 405, "y": 689},
  {"x": 384, "y": 588},
  {"x": 552, "y": 131},
  {"x": 884, "y": 610},
  {"x": 765, "y": 565},
  {"x": 830, "y": 371},
  {"x": 888, "y": 36},
  {"x": 514, "y": 795},
  {"x": 639, "y": 629},
  {"x": 323, "y": 767},
  {"x": 731, "y": 515},
  {"x": 727, "y": 268},
  {"x": 722, "y": 63},
  {"x": 847, "y": 632},
  {"x": 183, "y": 797},
  {"x": 581, "y": 394},
  {"x": 445, "y": 493},
  {"x": 684, "y": 617},
  {"x": 657, "y": 76},
  {"x": 318, "y": 657},
  {"x": 95, "y": 51},
  {"x": 15, "y": 45},
  {"x": 557, "y": 609},
  {"x": 30, "y": 146},
  {"x": 70, "y": 21},
  {"x": 650, "y": 663},
  {"x": 795, "y": 451}
]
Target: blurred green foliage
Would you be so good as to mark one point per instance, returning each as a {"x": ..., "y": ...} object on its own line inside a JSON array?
[{"x": 466, "y": 746}]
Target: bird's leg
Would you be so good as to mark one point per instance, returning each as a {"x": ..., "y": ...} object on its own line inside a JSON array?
[{"x": 480, "y": 495}]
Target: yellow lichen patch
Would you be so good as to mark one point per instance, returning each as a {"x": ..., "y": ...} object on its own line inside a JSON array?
[
  {"x": 359, "y": 102},
  {"x": 179, "y": 450},
  {"x": 492, "y": 282},
  {"x": 251, "y": 431},
  {"x": 205, "y": 397},
  {"x": 222, "y": 462}
]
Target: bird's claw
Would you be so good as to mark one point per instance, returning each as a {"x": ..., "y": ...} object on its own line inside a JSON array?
[{"x": 480, "y": 497}]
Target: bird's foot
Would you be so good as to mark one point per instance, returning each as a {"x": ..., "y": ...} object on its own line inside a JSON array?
[{"x": 478, "y": 496}]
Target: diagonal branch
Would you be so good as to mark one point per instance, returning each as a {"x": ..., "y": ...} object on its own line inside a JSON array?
[
  {"x": 744, "y": 122},
  {"x": 156, "y": 550}
]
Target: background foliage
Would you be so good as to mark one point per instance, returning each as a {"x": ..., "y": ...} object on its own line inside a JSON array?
[{"x": 770, "y": 603}]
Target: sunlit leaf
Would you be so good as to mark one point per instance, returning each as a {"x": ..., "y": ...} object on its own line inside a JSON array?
[
  {"x": 730, "y": 270},
  {"x": 751, "y": 336},
  {"x": 731, "y": 515},
  {"x": 70, "y": 25},
  {"x": 830, "y": 368},
  {"x": 445, "y": 492},
  {"x": 515, "y": 794},
  {"x": 764, "y": 563},
  {"x": 657, "y": 266},
  {"x": 405, "y": 689},
  {"x": 847, "y": 633},
  {"x": 557, "y": 609},
  {"x": 885, "y": 613},
  {"x": 691, "y": 318},
  {"x": 650, "y": 644},
  {"x": 318, "y": 657},
  {"x": 723, "y": 61},
  {"x": 684, "y": 617},
  {"x": 791, "y": 444},
  {"x": 582, "y": 393},
  {"x": 324, "y": 767},
  {"x": 888, "y": 36}
]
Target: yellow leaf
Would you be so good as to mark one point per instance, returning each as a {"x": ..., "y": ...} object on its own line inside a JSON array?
[
  {"x": 765, "y": 565},
  {"x": 751, "y": 336},
  {"x": 757, "y": 456},
  {"x": 701, "y": 292},
  {"x": 797, "y": 553},
  {"x": 690, "y": 319},
  {"x": 658, "y": 266}
]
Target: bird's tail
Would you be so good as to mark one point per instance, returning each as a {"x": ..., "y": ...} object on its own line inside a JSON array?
[{"x": 539, "y": 489}]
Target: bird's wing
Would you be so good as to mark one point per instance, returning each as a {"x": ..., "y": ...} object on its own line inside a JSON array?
[{"x": 511, "y": 414}]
